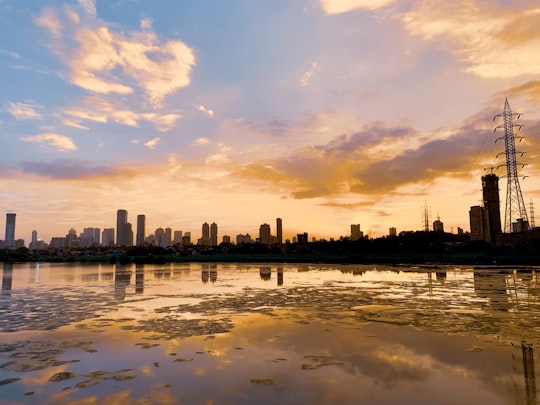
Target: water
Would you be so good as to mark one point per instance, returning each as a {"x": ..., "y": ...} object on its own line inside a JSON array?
[{"x": 267, "y": 333}]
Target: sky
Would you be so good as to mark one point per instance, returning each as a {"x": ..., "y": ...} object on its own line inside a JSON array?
[{"x": 324, "y": 113}]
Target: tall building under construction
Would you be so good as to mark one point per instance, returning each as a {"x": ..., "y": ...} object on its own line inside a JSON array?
[{"x": 492, "y": 206}]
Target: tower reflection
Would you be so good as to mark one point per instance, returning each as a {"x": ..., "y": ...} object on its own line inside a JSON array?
[{"x": 7, "y": 278}]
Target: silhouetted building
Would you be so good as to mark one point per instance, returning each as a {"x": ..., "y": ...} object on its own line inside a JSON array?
[
  {"x": 279, "y": 230},
  {"x": 213, "y": 234},
  {"x": 226, "y": 239},
  {"x": 302, "y": 238},
  {"x": 392, "y": 231},
  {"x": 264, "y": 234},
  {"x": 124, "y": 233},
  {"x": 107, "y": 237},
  {"x": 490, "y": 194},
  {"x": 168, "y": 236},
  {"x": 159, "y": 237},
  {"x": 205, "y": 238},
  {"x": 241, "y": 239},
  {"x": 141, "y": 229},
  {"x": 356, "y": 233},
  {"x": 479, "y": 224},
  {"x": 438, "y": 226},
  {"x": 9, "y": 241},
  {"x": 177, "y": 237}
]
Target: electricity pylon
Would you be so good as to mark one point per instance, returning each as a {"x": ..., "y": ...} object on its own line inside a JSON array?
[{"x": 515, "y": 218}]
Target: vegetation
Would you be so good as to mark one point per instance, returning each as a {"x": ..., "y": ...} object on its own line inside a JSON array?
[{"x": 407, "y": 247}]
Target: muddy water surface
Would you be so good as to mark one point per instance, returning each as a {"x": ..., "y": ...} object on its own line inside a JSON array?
[{"x": 252, "y": 333}]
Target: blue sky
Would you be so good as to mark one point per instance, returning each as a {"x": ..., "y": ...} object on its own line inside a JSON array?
[{"x": 322, "y": 112}]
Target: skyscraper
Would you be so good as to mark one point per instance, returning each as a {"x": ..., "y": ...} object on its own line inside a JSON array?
[
  {"x": 124, "y": 233},
  {"x": 141, "y": 229},
  {"x": 9, "y": 240},
  {"x": 356, "y": 233},
  {"x": 213, "y": 234},
  {"x": 107, "y": 237},
  {"x": 205, "y": 238},
  {"x": 264, "y": 234},
  {"x": 490, "y": 194},
  {"x": 479, "y": 224},
  {"x": 279, "y": 230}
]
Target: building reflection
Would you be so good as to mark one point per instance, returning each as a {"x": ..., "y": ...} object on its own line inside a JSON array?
[
  {"x": 265, "y": 272},
  {"x": 492, "y": 285},
  {"x": 209, "y": 272},
  {"x": 139, "y": 279},
  {"x": 528, "y": 372},
  {"x": 280, "y": 276},
  {"x": 122, "y": 278},
  {"x": 7, "y": 278}
]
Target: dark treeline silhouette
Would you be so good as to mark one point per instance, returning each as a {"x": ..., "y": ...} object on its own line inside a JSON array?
[{"x": 407, "y": 247}]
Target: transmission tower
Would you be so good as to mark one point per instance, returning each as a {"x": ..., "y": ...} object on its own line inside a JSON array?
[
  {"x": 515, "y": 206},
  {"x": 426, "y": 214},
  {"x": 531, "y": 211}
]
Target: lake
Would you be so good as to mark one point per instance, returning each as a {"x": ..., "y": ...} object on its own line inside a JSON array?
[{"x": 220, "y": 333}]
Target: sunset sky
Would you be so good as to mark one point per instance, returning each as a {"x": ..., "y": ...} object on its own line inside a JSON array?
[{"x": 325, "y": 113}]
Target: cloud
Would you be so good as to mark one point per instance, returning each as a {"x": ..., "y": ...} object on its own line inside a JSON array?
[
  {"x": 61, "y": 142},
  {"x": 205, "y": 110},
  {"x": 494, "y": 42},
  {"x": 307, "y": 76},
  {"x": 89, "y": 6},
  {"x": 344, "y": 6},
  {"x": 101, "y": 110},
  {"x": 152, "y": 143},
  {"x": 377, "y": 160},
  {"x": 11, "y": 54},
  {"x": 73, "y": 124},
  {"x": 69, "y": 169},
  {"x": 23, "y": 111},
  {"x": 104, "y": 61},
  {"x": 202, "y": 141}
]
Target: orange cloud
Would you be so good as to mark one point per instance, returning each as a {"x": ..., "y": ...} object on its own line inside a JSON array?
[
  {"x": 23, "y": 111},
  {"x": 495, "y": 42}
]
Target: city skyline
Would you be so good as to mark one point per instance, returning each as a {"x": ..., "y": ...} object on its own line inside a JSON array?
[{"x": 338, "y": 112}]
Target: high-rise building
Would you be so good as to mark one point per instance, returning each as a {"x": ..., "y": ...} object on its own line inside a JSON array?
[
  {"x": 356, "y": 233},
  {"x": 226, "y": 239},
  {"x": 121, "y": 220},
  {"x": 264, "y": 234},
  {"x": 205, "y": 238},
  {"x": 141, "y": 229},
  {"x": 279, "y": 230},
  {"x": 177, "y": 237},
  {"x": 107, "y": 237},
  {"x": 479, "y": 223},
  {"x": 490, "y": 194},
  {"x": 392, "y": 231},
  {"x": 168, "y": 236},
  {"x": 213, "y": 234},
  {"x": 159, "y": 237},
  {"x": 438, "y": 226},
  {"x": 124, "y": 233},
  {"x": 9, "y": 241}
]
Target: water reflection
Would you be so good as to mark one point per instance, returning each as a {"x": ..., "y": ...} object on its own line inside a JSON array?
[
  {"x": 528, "y": 372},
  {"x": 7, "y": 278},
  {"x": 380, "y": 332},
  {"x": 122, "y": 278}
]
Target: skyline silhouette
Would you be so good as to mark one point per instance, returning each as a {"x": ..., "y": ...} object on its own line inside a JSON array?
[{"x": 338, "y": 113}]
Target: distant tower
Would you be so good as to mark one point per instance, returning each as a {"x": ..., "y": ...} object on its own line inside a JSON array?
[
  {"x": 356, "y": 233},
  {"x": 515, "y": 218},
  {"x": 279, "y": 231},
  {"x": 213, "y": 234},
  {"x": 492, "y": 206},
  {"x": 141, "y": 229},
  {"x": 531, "y": 211},
  {"x": 264, "y": 234},
  {"x": 9, "y": 241},
  {"x": 426, "y": 217},
  {"x": 205, "y": 239},
  {"x": 121, "y": 221},
  {"x": 438, "y": 225}
]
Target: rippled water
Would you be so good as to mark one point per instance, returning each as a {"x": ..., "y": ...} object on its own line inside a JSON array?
[{"x": 267, "y": 333}]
